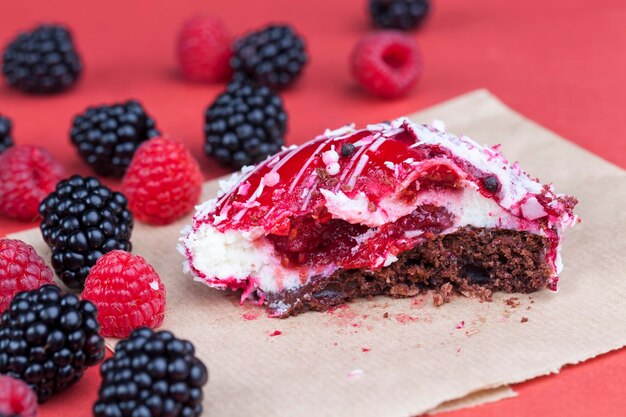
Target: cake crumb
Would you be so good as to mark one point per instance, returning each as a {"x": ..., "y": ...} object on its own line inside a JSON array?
[
  {"x": 471, "y": 332},
  {"x": 460, "y": 324},
  {"x": 417, "y": 303},
  {"x": 524, "y": 320},
  {"x": 386, "y": 315},
  {"x": 365, "y": 349},
  {"x": 405, "y": 318},
  {"x": 276, "y": 333},
  {"x": 512, "y": 302},
  {"x": 443, "y": 295},
  {"x": 251, "y": 315}
]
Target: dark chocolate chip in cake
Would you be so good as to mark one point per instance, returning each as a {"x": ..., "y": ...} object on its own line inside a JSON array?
[{"x": 476, "y": 275}]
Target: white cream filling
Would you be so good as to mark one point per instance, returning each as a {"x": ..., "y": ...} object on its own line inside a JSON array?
[
  {"x": 467, "y": 204},
  {"x": 230, "y": 256},
  {"x": 358, "y": 210},
  {"x": 470, "y": 208}
]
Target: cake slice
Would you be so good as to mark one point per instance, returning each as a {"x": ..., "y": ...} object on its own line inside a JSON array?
[{"x": 393, "y": 209}]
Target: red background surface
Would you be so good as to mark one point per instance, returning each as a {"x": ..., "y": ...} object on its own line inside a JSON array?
[{"x": 561, "y": 63}]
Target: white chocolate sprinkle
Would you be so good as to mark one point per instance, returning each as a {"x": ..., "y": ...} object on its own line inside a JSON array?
[
  {"x": 271, "y": 178},
  {"x": 333, "y": 169},
  {"x": 330, "y": 157}
]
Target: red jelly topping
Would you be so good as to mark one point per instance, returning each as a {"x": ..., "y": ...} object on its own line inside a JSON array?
[
  {"x": 378, "y": 168},
  {"x": 315, "y": 242}
]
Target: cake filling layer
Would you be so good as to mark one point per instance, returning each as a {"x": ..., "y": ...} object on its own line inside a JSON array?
[
  {"x": 471, "y": 261},
  {"x": 322, "y": 243}
]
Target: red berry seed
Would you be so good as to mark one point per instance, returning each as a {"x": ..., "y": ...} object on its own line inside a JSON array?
[
  {"x": 387, "y": 63},
  {"x": 127, "y": 292},
  {"x": 27, "y": 175},
  {"x": 21, "y": 269},
  {"x": 163, "y": 181},
  {"x": 203, "y": 50}
]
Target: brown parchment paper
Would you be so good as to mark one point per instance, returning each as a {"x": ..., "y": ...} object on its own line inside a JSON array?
[
  {"x": 475, "y": 399},
  {"x": 398, "y": 358}
]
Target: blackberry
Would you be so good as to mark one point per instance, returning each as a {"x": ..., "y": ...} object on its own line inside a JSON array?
[
  {"x": 244, "y": 125},
  {"x": 42, "y": 61},
  {"x": 273, "y": 56},
  {"x": 398, "y": 14},
  {"x": 83, "y": 220},
  {"x": 151, "y": 374},
  {"x": 5, "y": 133},
  {"x": 48, "y": 339},
  {"x": 107, "y": 136}
]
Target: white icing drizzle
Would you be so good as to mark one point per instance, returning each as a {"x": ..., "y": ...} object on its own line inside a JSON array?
[
  {"x": 261, "y": 185},
  {"x": 244, "y": 174},
  {"x": 307, "y": 163},
  {"x": 273, "y": 161},
  {"x": 374, "y": 146},
  {"x": 305, "y": 203},
  {"x": 346, "y": 170},
  {"x": 357, "y": 171}
]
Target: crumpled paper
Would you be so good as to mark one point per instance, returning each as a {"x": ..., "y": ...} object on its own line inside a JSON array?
[{"x": 398, "y": 358}]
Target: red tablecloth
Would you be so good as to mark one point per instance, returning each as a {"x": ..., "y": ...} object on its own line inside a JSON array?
[{"x": 561, "y": 63}]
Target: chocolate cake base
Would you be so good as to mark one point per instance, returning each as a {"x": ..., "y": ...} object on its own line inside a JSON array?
[{"x": 471, "y": 261}]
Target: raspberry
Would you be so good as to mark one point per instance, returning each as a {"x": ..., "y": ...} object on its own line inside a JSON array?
[
  {"x": 27, "y": 175},
  {"x": 203, "y": 50},
  {"x": 21, "y": 269},
  {"x": 163, "y": 181},
  {"x": 127, "y": 292},
  {"x": 16, "y": 398},
  {"x": 387, "y": 63}
]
